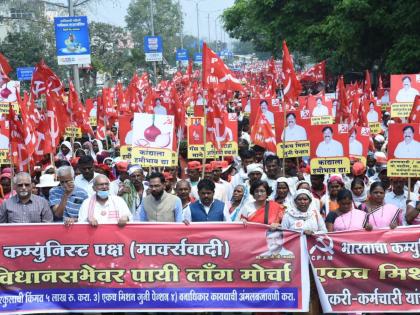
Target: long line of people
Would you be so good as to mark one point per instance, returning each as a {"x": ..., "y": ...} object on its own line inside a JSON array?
[{"x": 259, "y": 188}]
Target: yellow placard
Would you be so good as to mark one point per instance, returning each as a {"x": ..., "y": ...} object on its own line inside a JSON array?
[
  {"x": 403, "y": 168},
  {"x": 375, "y": 127},
  {"x": 322, "y": 120},
  {"x": 93, "y": 121},
  {"x": 151, "y": 157},
  {"x": 73, "y": 132},
  {"x": 294, "y": 149},
  {"x": 190, "y": 111},
  {"x": 401, "y": 110},
  {"x": 384, "y": 107},
  {"x": 125, "y": 152},
  {"x": 326, "y": 166},
  {"x": 4, "y": 108},
  {"x": 197, "y": 151},
  {"x": 174, "y": 161},
  {"x": 4, "y": 157}
]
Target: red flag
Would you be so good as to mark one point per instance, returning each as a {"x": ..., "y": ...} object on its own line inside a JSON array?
[
  {"x": 315, "y": 74},
  {"x": 44, "y": 78},
  {"x": 133, "y": 95},
  {"x": 415, "y": 111},
  {"x": 343, "y": 112},
  {"x": 367, "y": 89},
  {"x": 4, "y": 70},
  {"x": 216, "y": 74},
  {"x": 262, "y": 133},
  {"x": 122, "y": 103},
  {"x": 272, "y": 77},
  {"x": 291, "y": 85},
  {"x": 79, "y": 115}
]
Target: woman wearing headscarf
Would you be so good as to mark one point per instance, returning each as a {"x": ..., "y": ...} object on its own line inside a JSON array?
[
  {"x": 66, "y": 151},
  {"x": 358, "y": 191},
  {"x": 283, "y": 195},
  {"x": 97, "y": 146},
  {"x": 301, "y": 218},
  {"x": 346, "y": 217},
  {"x": 304, "y": 184},
  {"x": 88, "y": 148},
  {"x": 261, "y": 210},
  {"x": 239, "y": 197}
]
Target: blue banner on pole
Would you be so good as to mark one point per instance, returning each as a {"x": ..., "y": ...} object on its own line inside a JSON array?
[
  {"x": 72, "y": 40},
  {"x": 153, "y": 44},
  {"x": 198, "y": 57},
  {"x": 25, "y": 73},
  {"x": 181, "y": 55}
]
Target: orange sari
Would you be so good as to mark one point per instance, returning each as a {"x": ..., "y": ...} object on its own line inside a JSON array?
[{"x": 274, "y": 215}]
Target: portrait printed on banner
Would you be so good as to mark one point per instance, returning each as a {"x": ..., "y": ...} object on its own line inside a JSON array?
[
  {"x": 275, "y": 246},
  {"x": 404, "y": 141},
  {"x": 404, "y": 87}
]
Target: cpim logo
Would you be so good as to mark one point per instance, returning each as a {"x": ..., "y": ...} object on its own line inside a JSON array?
[{"x": 325, "y": 245}]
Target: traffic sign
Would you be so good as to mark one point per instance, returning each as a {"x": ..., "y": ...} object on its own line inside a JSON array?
[
  {"x": 181, "y": 55},
  {"x": 25, "y": 73}
]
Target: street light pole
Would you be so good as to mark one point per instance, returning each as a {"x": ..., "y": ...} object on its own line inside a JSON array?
[
  {"x": 153, "y": 34},
  {"x": 198, "y": 28},
  {"x": 180, "y": 25},
  {"x": 76, "y": 78}
]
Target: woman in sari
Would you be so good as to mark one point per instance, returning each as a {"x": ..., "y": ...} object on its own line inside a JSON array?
[
  {"x": 346, "y": 217},
  {"x": 262, "y": 210},
  {"x": 381, "y": 215},
  {"x": 358, "y": 190},
  {"x": 329, "y": 201},
  {"x": 283, "y": 195},
  {"x": 301, "y": 217},
  {"x": 239, "y": 198}
]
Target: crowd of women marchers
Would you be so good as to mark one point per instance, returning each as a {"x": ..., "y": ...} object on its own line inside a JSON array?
[{"x": 91, "y": 184}]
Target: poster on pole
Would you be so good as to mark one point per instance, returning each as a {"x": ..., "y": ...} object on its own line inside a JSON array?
[
  {"x": 72, "y": 40},
  {"x": 404, "y": 88},
  {"x": 153, "y": 48}
]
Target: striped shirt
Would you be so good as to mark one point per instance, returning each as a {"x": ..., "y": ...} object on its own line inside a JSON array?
[
  {"x": 74, "y": 201},
  {"x": 36, "y": 210}
]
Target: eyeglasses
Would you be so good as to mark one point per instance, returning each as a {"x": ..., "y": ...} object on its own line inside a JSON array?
[
  {"x": 24, "y": 185},
  {"x": 260, "y": 192},
  {"x": 103, "y": 184}
]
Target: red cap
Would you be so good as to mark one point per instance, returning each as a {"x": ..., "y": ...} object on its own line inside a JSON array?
[
  {"x": 122, "y": 166},
  {"x": 358, "y": 169},
  {"x": 6, "y": 175},
  {"x": 208, "y": 168},
  {"x": 168, "y": 176},
  {"x": 194, "y": 165}
]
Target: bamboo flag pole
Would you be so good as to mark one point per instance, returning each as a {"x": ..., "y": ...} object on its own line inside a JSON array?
[{"x": 204, "y": 140}]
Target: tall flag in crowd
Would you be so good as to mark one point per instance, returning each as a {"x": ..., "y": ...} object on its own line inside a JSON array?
[{"x": 290, "y": 82}]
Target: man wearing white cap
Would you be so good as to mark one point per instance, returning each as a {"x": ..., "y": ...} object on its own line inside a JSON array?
[
  {"x": 133, "y": 189},
  {"x": 378, "y": 142},
  {"x": 46, "y": 182}
]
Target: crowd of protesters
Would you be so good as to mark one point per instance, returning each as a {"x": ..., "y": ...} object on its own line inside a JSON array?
[{"x": 89, "y": 182}]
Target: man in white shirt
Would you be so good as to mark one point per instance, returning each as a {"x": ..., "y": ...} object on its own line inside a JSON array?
[
  {"x": 408, "y": 148},
  {"x": 85, "y": 180},
  {"x": 275, "y": 247},
  {"x": 329, "y": 147},
  {"x": 407, "y": 93},
  {"x": 103, "y": 208},
  {"x": 372, "y": 115},
  {"x": 397, "y": 196},
  {"x": 320, "y": 109},
  {"x": 159, "y": 109},
  {"x": 268, "y": 114},
  {"x": 293, "y": 132},
  {"x": 355, "y": 146}
]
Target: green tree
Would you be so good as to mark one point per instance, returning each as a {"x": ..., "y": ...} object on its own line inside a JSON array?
[
  {"x": 167, "y": 23},
  {"x": 350, "y": 34}
]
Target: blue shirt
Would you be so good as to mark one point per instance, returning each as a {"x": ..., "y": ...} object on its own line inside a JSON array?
[{"x": 74, "y": 201}]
